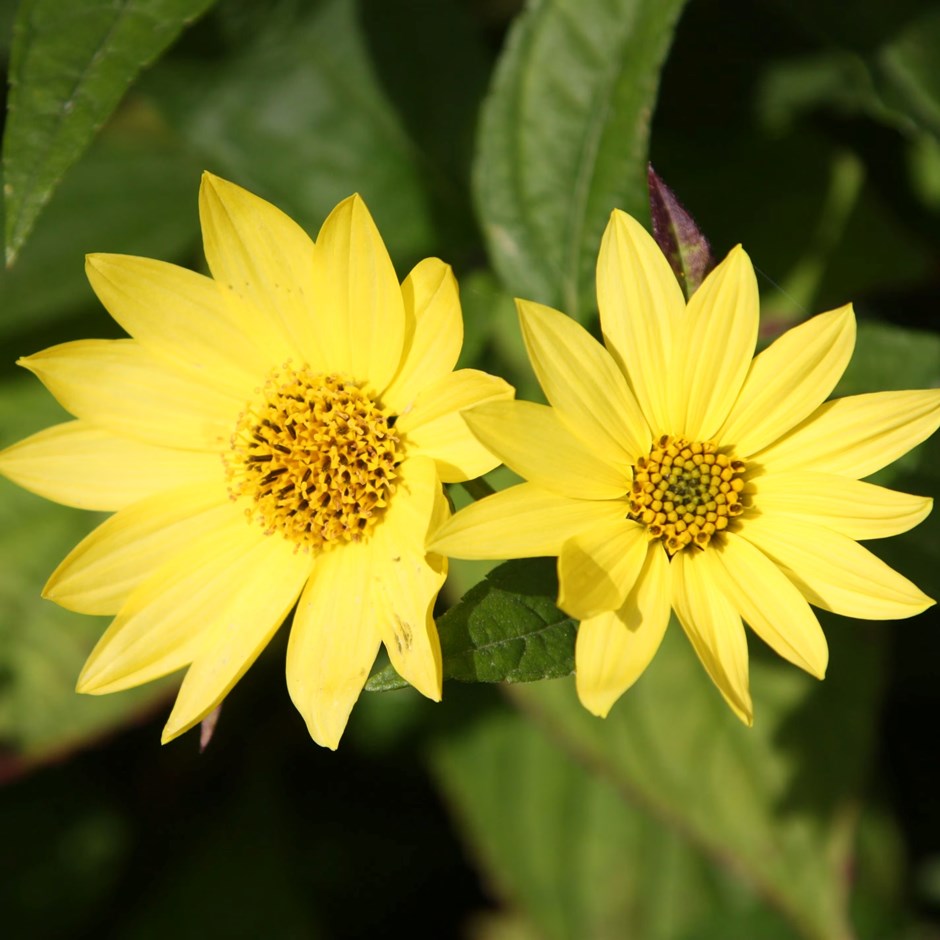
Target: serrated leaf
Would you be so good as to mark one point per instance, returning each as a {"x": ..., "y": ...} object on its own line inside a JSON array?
[
  {"x": 563, "y": 140},
  {"x": 505, "y": 629},
  {"x": 70, "y": 65}
]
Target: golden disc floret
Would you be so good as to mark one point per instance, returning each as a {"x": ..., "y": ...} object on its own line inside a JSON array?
[
  {"x": 316, "y": 457},
  {"x": 686, "y": 492}
]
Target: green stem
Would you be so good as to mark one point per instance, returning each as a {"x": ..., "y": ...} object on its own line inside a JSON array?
[{"x": 478, "y": 489}]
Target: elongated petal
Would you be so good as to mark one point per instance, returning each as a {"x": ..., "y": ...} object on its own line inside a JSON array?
[
  {"x": 334, "y": 641},
  {"x": 532, "y": 440},
  {"x": 358, "y": 297},
  {"x": 833, "y": 571},
  {"x": 165, "y": 621},
  {"x": 435, "y": 427},
  {"x": 433, "y": 332},
  {"x": 406, "y": 579},
  {"x": 769, "y": 603},
  {"x": 597, "y": 568},
  {"x": 614, "y": 648},
  {"x": 119, "y": 385},
  {"x": 189, "y": 318},
  {"x": 265, "y": 258},
  {"x": 90, "y": 468},
  {"x": 97, "y": 576},
  {"x": 856, "y": 436},
  {"x": 641, "y": 305},
  {"x": 858, "y": 510},
  {"x": 242, "y": 626},
  {"x": 714, "y": 347},
  {"x": 521, "y": 522},
  {"x": 582, "y": 381},
  {"x": 714, "y": 628},
  {"x": 789, "y": 379}
]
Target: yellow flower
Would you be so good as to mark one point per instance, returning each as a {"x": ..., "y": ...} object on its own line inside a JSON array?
[
  {"x": 675, "y": 472},
  {"x": 278, "y": 430}
]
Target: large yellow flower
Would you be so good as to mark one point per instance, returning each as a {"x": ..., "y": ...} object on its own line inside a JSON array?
[
  {"x": 278, "y": 430},
  {"x": 675, "y": 472}
]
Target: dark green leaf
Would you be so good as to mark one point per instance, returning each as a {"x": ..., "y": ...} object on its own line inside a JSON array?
[
  {"x": 71, "y": 64},
  {"x": 563, "y": 140},
  {"x": 300, "y": 116},
  {"x": 506, "y": 629}
]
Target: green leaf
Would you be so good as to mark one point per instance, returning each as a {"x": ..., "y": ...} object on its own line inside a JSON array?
[
  {"x": 505, "y": 629},
  {"x": 134, "y": 192},
  {"x": 301, "y": 116},
  {"x": 563, "y": 140},
  {"x": 42, "y": 646},
  {"x": 773, "y": 805},
  {"x": 70, "y": 65},
  {"x": 561, "y": 844}
]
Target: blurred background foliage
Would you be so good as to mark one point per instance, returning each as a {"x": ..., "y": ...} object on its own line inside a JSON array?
[{"x": 498, "y": 138}]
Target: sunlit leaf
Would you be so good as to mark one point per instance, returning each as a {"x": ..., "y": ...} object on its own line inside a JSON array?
[
  {"x": 71, "y": 63},
  {"x": 563, "y": 140}
]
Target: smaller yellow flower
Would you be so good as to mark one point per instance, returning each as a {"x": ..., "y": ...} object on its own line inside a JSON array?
[
  {"x": 279, "y": 430},
  {"x": 673, "y": 471}
]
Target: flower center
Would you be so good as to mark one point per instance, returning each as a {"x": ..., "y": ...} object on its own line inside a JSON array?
[
  {"x": 684, "y": 492},
  {"x": 316, "y": 456}
]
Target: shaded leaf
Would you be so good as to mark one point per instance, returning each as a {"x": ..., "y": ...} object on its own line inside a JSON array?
[
  {"x": 505, "y": 629},
  {"x": 70, "y": 66},
  {"x": 773, "y": 803},
  {"x": 563, "y": 140}
]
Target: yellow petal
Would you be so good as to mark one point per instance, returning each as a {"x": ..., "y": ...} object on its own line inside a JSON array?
[
  {"x": 713, "y": 348},
  {"x": 435, "y": 428},
  {"x": 613, "y": 649},
  {"x": 789, "y": 379},
  {"x": 334, "y": 641},
  {"x": 433, "y": 332},
  {"x": 856, "y": 436},
  {"x": 240, "y": 628},
  {"x": 119, "y": 385},
  {"x": 598, "y": 567},
  {"x": 189, "y": 318},
  {"x": 858, "y": 510},
  {"x": 165, "y": 621},
  {"x": 532, "y": 440},
  {"x": 97, "y": 576},
  {"x": 584, "y": 384},
  {"x": 769, "y": 603},
  {"x": 406, "y": 580},
  {"x": 358, "y": 298},
  {"x": 90, "y": 468},
  {"x": 266, "y": 259},
  {"x": 714, "y": 628},
  {"x": 521, "y": 522},
  {"x": 641, "y": 305},
  {"x": 833, "y": 571}
]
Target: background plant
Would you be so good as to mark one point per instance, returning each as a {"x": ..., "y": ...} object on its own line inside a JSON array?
[{"x": 498, "y": 139}]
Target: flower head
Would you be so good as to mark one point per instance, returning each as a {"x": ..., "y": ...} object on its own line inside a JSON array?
[
  {"x": 673, "y": 471},
  {"x": 279, "y": 430}
]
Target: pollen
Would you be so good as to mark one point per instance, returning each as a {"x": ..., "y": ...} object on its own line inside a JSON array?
[
  {"x": 686, "y": 492},
  {"x": 315, "y": 457}
]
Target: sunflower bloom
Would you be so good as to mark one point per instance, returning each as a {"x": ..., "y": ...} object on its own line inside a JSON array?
[
  {"x": 673, "y": 471},
  {"x": 277, "y": 431}
]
